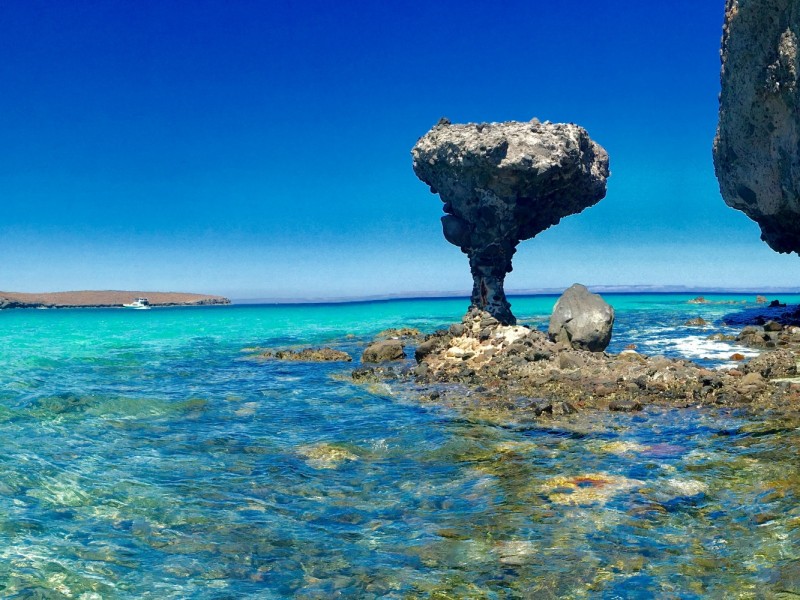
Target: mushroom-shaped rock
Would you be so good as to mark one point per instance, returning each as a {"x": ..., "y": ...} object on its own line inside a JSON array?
[
  {"x": 582, "y": 319},
  {"x": 757, "y": 148},
  {"x": 506, "y": 182}
]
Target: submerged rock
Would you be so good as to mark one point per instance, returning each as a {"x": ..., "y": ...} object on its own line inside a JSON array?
[
  {"x": 582, "y": 319},
  {"x": 757, "y": 148},
  {"x": 517, "y": 552},
  {"x": 590, "y": 488},
  {"x": 309, "y": 355},
  {"x": 506, "y": 182},
  {"x": 399, "y": 333},
  {"x": 326, "y": 456},
  {"x": 786, "y": 580}
]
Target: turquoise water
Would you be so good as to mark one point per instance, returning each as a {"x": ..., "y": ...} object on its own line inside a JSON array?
[{"x": 144, "y": 455}]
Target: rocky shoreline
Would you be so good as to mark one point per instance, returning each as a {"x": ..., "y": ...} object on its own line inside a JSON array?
[
  {"x": 105, "y": 299},
  {"x": 511, "y": 374},
  {"x": 520, "y": 370}
]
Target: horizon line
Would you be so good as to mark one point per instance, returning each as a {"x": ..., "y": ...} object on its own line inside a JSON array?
[{"x": 463, "y": 294}]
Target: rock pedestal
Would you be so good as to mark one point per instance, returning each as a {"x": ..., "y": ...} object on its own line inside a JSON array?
[
  {"x": 488, "y": 293},
  {"x": 506, "y": 182}
]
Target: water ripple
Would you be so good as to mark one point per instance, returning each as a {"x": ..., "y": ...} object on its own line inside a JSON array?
[{"x": 141, "y": 459}]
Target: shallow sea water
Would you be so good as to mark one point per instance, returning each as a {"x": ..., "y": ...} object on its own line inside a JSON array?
[{"x": 143, "y": 455}]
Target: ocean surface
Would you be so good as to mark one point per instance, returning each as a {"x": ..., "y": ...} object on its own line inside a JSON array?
[{"x": 144, "y": 454}]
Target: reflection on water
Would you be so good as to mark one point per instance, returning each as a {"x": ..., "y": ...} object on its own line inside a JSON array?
[{"x": 140, "y": 460}]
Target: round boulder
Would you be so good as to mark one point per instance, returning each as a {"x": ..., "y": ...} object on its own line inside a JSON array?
[{"x": 582, "y": 319}]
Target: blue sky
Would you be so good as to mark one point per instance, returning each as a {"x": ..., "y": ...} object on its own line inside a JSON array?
[{"x": 261, "y": 149}]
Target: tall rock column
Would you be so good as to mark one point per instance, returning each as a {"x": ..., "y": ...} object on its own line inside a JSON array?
[
  {"x": 757, "y": 148},
  {"x": 502, "y": 183}
]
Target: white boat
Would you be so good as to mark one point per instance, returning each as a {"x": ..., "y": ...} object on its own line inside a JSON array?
[{"x": 138, "y": 304}]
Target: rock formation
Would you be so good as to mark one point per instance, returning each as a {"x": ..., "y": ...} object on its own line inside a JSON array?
[
  {"x": 383, "y": 351},
  {"x": 308, "y": 355},
  {"x": 757, "y": 148},
  {"x": 582, "y": 319},
  {"x": 513, "y": 374},
  {"x": 506, "y": 182}
]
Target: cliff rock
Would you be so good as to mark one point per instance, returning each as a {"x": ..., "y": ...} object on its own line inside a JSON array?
[{"x": 757, "y": 148}]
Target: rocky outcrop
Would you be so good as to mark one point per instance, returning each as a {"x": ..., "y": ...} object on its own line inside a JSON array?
[
  {"x": 778, "y": 363},
  {"x": 757, "y": 336},
  {"x": 506, "y": 182},
  {"x": 383, "y": 351},
  {"x": 757, "y": 148},
  {"x": 513, "y": 374},
  {"x": 399, "y": 333},
  {"x": 696, "y": 322},
  {"x": 582, "y": 319},
  {"x": 12, "y": 303},
  {"x": 309, "y": 355}
]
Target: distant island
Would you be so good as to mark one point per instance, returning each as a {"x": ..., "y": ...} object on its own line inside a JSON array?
[{"x": 104, "y": 299}]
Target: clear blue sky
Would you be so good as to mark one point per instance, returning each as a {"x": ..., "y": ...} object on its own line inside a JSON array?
[{"x": 261, "y": 149}]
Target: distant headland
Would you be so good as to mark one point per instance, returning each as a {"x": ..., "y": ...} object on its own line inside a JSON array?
[{"x": 104, "y": 299}]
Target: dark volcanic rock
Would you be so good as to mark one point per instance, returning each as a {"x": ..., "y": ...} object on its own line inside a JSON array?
[
  {"x": 383, "y": 351},
  {"x": 754, "y": 336},
  {"x": 757, "y": 148},
  {"x": 426, "y": 347},
  {"x": 506, "y": 182},
  {"x": 582, "y": 319}
]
